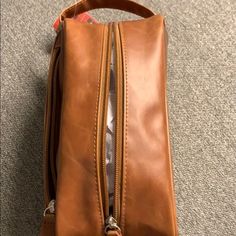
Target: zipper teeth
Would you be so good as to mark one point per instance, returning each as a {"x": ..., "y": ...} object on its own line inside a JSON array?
[
  {"x": 53, "y": 128},
  {"x": 48, "y": 176},
  {"x": 105, "y": 106},
  {"x": 118, "y": 141}
]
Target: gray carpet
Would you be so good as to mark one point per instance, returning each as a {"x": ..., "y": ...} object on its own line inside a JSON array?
[{"x": 202, "y": 110}]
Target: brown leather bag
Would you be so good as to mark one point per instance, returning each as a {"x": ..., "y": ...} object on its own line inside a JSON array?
[{"x": 75, "y": 142}]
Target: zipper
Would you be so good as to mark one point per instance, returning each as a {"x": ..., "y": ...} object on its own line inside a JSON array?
[
  {"x": 112, "y": 220},
  {"x": 49, "y": 122},
  {"x": 119, "y": 124},
  {"x": 110, "y": 213},
  {"x": 50, "y": 126},
  {"x": 105, "y": 83}
]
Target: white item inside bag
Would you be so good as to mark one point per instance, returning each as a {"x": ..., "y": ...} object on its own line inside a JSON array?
[{"x": 110, "y": 135}]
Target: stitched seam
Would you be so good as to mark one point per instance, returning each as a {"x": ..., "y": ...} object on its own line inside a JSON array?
[
  {"x": 95, "y": 130},
  {"x": 168, "y": 141},
  {"x": 48, "y": 223},
  {"x": 126, "y": 126}
]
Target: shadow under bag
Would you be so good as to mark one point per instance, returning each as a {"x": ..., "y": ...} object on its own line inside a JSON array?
[{"x": 81, "y": 162}]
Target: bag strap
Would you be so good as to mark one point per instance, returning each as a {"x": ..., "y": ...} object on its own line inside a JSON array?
[{"x": 124, "y": 5}]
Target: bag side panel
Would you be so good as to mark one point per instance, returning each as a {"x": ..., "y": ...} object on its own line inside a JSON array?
[
  {"x": 78, "y": 207},
  {"x": 148, "y": 206}
]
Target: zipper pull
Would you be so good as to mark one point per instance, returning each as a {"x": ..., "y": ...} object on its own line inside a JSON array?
[
  {"x": 50, "y": 208},
  {"x": 112, "y": 227}
]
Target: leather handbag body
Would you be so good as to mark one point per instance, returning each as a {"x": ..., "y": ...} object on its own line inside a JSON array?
[{"x": 100, "y": 183}]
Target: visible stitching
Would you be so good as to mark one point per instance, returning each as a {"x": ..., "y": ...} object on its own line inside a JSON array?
[
  {"x": 48, "y": 223},
  {"x": 95, "y": 130},
  {"x": 126, "y": 126},
  {"x": 173, "y": 204}
]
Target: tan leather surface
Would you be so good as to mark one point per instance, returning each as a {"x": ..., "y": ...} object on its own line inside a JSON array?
[
  {"x": 148, "y": 206},
  {"x": 48, "y": 225},
  {"x": 125, "y": 5},
  {"x": 78, "y": 205},
  {"x": 114, "y": 233}
]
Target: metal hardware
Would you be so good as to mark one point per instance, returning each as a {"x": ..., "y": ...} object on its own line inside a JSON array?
[
  {"x": 111, "y": 224},
  {"x": 51, "y": 208}
]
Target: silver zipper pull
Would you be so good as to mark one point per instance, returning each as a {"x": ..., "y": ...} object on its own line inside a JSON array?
[
  {"x": 111, "y": 224},
  {"x": 50, "y": 208}
]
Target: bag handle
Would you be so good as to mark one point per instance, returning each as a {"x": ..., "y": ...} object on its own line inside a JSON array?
[{"x": 87, "y": 5}]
